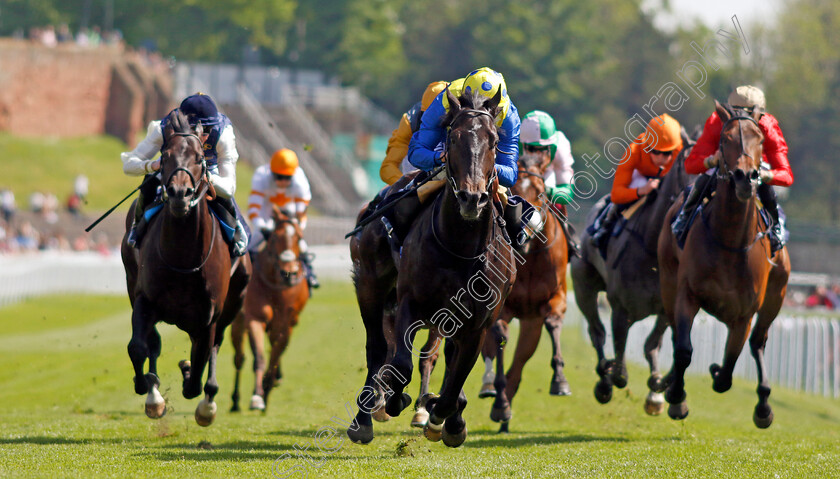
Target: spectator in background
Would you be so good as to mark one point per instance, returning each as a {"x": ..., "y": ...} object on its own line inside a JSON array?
[
  {"x": 50, "y": 211},
  {"x": 7, "y": 205},
  {"x": 63, "y": 35},
  {"x": 819, "y": 298},
  {"x": 80, "y": 187},
  {"x": 833, "y": 295},
  {"x": 82, "y": 39},
  {"x": 36, "y": 202},
  {"x": 74, "y": 205},
  {"x": 48, "y": 36},
  {"x": 27, "y": 238}
]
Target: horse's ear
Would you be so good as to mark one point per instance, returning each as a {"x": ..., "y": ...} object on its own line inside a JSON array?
[
  {"x": 454, "y": 104},
  {"x": 722, "y": 112},
  {"x": 493, "y": 104}
]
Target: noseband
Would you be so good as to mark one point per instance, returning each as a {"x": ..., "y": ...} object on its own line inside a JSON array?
[
  {"x": 723, "y": 171},
  {"x": 205, "y": 185}
]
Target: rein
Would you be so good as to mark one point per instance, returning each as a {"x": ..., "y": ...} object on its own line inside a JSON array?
[
  {"x": 203, "y": 262},
  {"x": 280, "y": 285},
  {"x": 473, "y": 114},
  {"x": 435, "y": 214},
  {"x": 758, "y": 236},
  {"x": 723, "y": 172}
]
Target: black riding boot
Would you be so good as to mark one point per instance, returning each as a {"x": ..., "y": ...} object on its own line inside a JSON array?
[
  {"x": 147, "y": 191},
  {"x": 601, "y": 236},
  {"x": 777, "y": 232},
  {"x": 571, "y": 244},
  {"x": 403, "y": 214},
  {"x": 225, "y": 209},
  {"x": 307, "y": 259},
  {"x": 695, "y": 196}
]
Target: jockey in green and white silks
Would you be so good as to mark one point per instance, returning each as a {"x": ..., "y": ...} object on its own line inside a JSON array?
[{"x": 538, "y": 132}]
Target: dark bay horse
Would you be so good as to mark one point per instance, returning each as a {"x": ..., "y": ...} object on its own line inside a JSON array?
[
  {"x": 630, "y": 278},
  {"x": 182, "y": 275},
  {"x": 454, "y": 273},
  {"x": 538, "y": 297},
  {"x": 274, "y": 300},
  {"x": 726, "y": 268},
  {"x": 430, "y": 351}
]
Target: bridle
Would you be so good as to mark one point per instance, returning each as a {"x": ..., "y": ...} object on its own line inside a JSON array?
[
  {"x": 291, "y": 278},
  {"x": 723, "y": 172},
  {"x": 198, "y": 194},
  {"x": 473, "y": 113}
]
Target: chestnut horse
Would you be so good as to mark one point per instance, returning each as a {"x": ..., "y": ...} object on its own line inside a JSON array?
[
  {"x": 629, "y": 277},
  {"x": 726, "y": 268},
  {"x": 538, "y": 297},
  {"x": 182, "y": 275},
  {"x": 454, "y": 273},
  {"x": 273, "y": 301}
]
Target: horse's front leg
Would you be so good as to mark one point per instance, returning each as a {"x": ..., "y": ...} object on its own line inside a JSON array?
[
  {"x": 655, "y": 401},
  {"x": 205, "y": 413},
  {"x": 256, "y": 339},
  {"x": 685, "y": 308},
  {"x": 452, "y": 399},
  {"x": 498, "y": 336},
  {"x": 736, "y": 337},
  {"x": 279, "y": 339},
  {"x": 237, "y": 335},
  {"x": 529, "y": 338},
  {"x": 620, "y": 329},
  {"x": 397, "y": 373},
  {"x": 426, "y": 364},
  {"x": 193, "y": 370},
  {"x": 559, "y": 385},
  {"x": 145, "y": 343}
]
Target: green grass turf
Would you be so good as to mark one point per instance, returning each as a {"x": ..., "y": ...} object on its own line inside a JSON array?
[
  {"x": 68, "y": 410},
  {"x": 51, "y": 165}
]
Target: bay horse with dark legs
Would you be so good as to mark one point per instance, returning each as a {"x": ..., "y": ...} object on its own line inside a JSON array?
[
  {"x": 726, "y": 268},
  {"x": 630, "y": 278},
  {"x": 273, "y": 302},
  {"x": 454, "y": 273},
  {"x": 538, "y": 297},
  {"x": 182, "y": 275}
]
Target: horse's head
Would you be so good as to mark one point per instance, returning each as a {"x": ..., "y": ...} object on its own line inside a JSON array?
[
  {"x": 740, "y": 148},
  {"x": 182, "y": 164},
  {"x": 471, "y": 150},
  {"x": 283, "y": 247},
  {"x": 532, "y": 165}
]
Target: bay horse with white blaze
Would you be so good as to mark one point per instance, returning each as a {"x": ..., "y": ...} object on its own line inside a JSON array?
[
  {"x": 726, "y": 268},
  {"x": 454, "y": 273},
  {"x": 273, "y": 302},
  {"x": 182, "y": 275},
  {"x": 538, "y": 297}
]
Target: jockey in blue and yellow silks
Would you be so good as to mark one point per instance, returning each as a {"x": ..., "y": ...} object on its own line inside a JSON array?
[{"x": 427, "y": 145}]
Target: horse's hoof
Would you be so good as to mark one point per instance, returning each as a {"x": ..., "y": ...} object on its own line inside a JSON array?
[
  {"x": 603, "y": 392},
  {"x": 397, "y": 404},
  {"x": 155, "y": 404},
  {"x": 656, "y": 384},
  {"x": 205, "y": 413},
  {"x": 257, "y": 403},
  {"x": 235, "y": 408},
  {"x": 454, "y": 440},
  {"x": 488, "y": 390},
  {"x": 620, "y": 381},
  {"x": 654, "y": 404},
  {"x": 501, "y": 414},
  {"x": 720, "y": 383},
  {"x": 560, "y": 388},
  {"x": 380, "y": 415},
  {"x": 361, "y": 435},
  {"x": 763, "y": 418},
  {"x": 140, "y": 386},
  {"x": 678, "y": 411},
  {"x": 433, "y": 432},
  {"x": 504, "y": 428},
  {"x": 421, "y": 417}
]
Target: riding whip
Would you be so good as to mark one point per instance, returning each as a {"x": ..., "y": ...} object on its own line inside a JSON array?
[
  {"x": 380, "y": 211},
  {"x": 87, "y": 230}
]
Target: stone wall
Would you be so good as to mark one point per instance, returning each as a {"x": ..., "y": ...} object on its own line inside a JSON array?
[{"x": 71, "y": 91}]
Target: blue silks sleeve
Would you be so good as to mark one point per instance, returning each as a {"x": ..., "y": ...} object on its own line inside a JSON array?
[
  {"x": 427, "y": 142},
  {"x": 508, "y": 149}
]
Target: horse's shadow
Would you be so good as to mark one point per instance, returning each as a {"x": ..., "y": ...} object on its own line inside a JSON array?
[{"x": 481, "y": 439}]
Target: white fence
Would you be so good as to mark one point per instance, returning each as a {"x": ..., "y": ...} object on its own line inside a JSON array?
[{"x": 802, "y": 352}]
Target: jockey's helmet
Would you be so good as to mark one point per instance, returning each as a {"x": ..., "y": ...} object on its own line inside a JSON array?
[
  {"x": 200, "y": 107},
  {"x": 486, "y": 82},
  {"x": 538, "y": 129},
  {"x": 284, "y": 162},
  {"x": 747, "y": 96},
  {"x": 664, "y": 130},
  {"x": 432, "y": 91}
]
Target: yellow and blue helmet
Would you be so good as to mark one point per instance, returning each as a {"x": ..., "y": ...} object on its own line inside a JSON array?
[{"x": 486, "y": 82}]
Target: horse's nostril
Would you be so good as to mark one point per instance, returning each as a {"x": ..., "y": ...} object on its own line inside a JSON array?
[
  {"x": 189, "y": 192},
  {"x": 739, "y": 175},
  {"x": 483, "y": 199},
  {"x": 170, "y": 191},
  {"x": 754, "y": 175}
]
